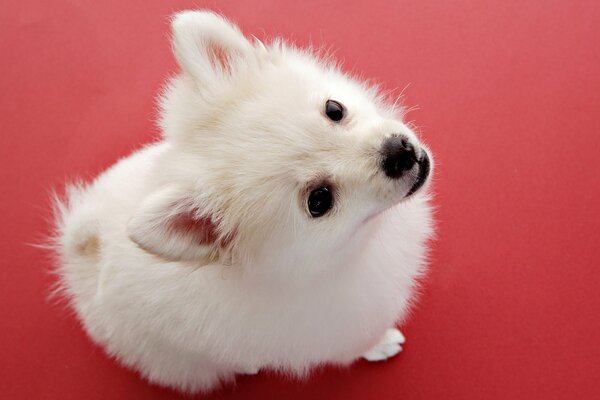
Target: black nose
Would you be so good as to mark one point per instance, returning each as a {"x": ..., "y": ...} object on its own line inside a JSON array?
[{"x": 398, "y": 156}]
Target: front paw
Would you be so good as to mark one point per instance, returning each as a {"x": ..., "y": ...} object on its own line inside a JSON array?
[
  {"x": 387, "y": 347},
  {"x": 248, "y": 371}
]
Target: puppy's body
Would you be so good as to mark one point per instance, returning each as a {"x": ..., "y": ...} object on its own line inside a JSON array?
[{"x": 195, "y": 258}]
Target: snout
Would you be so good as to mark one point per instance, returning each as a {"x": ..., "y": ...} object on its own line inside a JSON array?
[{"x": 401, "y": 158}]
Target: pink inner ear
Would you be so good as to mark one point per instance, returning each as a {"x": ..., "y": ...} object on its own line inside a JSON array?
[
  {"x": 218, "y": 56},
  {"x": 202, "y": 230}
]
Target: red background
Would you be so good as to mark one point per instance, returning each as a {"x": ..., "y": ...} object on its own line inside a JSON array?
[{"x": 509, "y": 99}]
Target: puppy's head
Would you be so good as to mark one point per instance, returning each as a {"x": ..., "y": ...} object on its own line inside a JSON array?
[{"x": 275, "y": 155}]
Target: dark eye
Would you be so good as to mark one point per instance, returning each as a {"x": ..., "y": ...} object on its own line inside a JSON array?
[
  {"x": 320, "y": 201},
  {"x": 335, "y": 111}
]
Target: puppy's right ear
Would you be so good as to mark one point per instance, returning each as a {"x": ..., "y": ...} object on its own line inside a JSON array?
[
  {"x": 170, "y": 225},
  {"x": 207, "y": 46}
]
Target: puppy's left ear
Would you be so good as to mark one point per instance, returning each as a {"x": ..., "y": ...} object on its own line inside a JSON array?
[
  {"x": 168, "y": 224},
  {"x": 207, "y": 46}
]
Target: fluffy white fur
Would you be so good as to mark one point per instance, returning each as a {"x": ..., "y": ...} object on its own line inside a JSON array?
[{"x": 195, "y": 258}]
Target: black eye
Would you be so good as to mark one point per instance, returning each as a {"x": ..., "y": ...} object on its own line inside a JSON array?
[
  {"x": 335, "y": 111},
  {"x": 320, "y": 201}
]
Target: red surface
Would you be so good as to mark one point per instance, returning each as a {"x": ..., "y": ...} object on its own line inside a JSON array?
[{"x": 509, "y": 100}]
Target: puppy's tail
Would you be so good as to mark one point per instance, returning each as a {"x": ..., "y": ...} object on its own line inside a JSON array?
[{"x": 75, "y": 241}]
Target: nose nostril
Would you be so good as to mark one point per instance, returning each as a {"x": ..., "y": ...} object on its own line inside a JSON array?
[{"x": 398, "y": 156}]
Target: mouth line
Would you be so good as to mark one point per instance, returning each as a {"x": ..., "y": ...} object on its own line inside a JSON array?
[
  {"x": 424, "y": 167},
  {"x": 424, "y": 170}
]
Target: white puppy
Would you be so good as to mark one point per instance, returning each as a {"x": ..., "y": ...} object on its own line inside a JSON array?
[{"x": 279, "y": 224}]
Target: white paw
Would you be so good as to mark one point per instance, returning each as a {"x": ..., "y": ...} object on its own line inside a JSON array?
[
  {"x": 248, "y": 371},
  {"x": 387, "y": 347}
]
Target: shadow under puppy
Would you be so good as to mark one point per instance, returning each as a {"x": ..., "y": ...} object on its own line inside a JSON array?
[{"x": 279, "y": 224}]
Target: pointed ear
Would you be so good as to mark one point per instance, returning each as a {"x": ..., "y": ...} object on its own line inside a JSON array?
[
  {"x": 207, "y": 46},
  {"x": 169, "y": 225}
]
